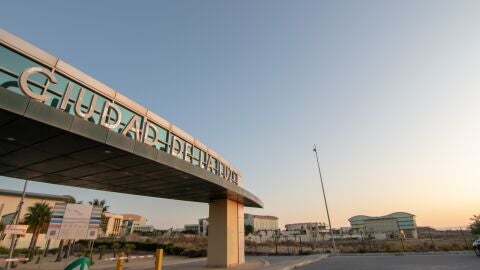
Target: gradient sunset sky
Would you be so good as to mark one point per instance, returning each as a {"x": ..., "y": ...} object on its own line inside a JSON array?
[{"x": 388, "y": 90}]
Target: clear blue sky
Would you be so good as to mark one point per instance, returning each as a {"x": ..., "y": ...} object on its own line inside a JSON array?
[{"x": 388, "y": 90}]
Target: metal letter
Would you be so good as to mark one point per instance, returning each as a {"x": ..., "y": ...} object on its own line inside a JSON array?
[
  {"x": 234, "y": 178},
  {"x": 23, "y": 82},
  {"x": 106, "y": 115},
  {"x": 78, "y": 105},
  {"x": 204, "y": 156},
  {"x": 66, "y": 96},
  {"x": 210, "y": 164},
  {"x": 227, "y": 173},
  {"x": 149, "y": 126},
  {"x": 188, "y": 152},
  {"x": 133, "y": 125},
  {"x": 176, "y": 151}
]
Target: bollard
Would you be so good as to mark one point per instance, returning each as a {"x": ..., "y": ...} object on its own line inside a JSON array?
[
  {"x": 120, "y": 261},
  {"x": 159, "y": 259}
]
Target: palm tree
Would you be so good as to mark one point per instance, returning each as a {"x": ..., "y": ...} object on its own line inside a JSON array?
[
  {"x": 102, "y": 203},
  {"x": 128, "y": 249},
  {"x": 116, "y": 246},
  {"x": 37, "y": 219},
  {"x": 59, "y": 253},
  {"x": 101, "y": 250}
]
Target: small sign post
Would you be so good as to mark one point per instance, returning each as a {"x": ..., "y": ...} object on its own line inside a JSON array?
[{"x": 16, "y": 229}]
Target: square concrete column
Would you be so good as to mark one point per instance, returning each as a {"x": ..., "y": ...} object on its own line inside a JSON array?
[{"x": 226, "y": 245}]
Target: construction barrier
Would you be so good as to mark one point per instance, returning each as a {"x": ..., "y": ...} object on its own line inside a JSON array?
[
  {"x": 14, "y": 260},
  {"x": 131, "y": 257},
  {"x": 158, "y": 259}
]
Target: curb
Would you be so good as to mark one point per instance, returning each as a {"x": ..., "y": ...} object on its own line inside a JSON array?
[
  {"x": 265, "y": 262},
  {"x": 437, "y": 253}
]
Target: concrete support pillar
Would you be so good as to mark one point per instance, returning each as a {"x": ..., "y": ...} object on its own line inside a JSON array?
[{"x": 226, "y": 245}]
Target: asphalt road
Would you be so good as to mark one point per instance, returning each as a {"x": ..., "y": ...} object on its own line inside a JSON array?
[{"x": 410, "y": 262}]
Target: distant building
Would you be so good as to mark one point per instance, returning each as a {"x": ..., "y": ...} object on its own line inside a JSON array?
[
  {"x": 195, "y": 228},
  {"x": 307, "y": 228},
  {"x": 132, "y": 221},
  {"x": 345, "y": 230},
  {"x": 111, "y": 225},
  {"x": 9, "y": 200},
  {"x": 391, "y": 225},
  {"x": 261, "y": 222},
  {"x": 200, "y": 228},
  {"x": 203, "y": 222},
  {"x": 144, "y": 228}
]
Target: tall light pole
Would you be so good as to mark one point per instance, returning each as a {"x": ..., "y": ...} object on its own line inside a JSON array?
[
  {"x": 325, "y": 199},
  {"x": 15, "y": 221}
]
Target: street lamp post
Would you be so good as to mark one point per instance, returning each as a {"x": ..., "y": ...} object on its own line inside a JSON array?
[
  {"x": 15, "y": 221},
  {"x": 325, "y": 199}
]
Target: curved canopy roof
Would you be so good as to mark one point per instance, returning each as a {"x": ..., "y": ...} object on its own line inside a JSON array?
[{"x": 49, "y": 133}]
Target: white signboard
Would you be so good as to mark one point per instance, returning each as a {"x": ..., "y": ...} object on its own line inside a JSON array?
[
  {"x": 16, "y": 229},
  {"x": 74, "y": 221}
]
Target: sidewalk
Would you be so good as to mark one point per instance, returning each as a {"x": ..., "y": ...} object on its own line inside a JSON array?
[
  {"x": 182, "y": 263},
  {"x": 145, "y": 263}
]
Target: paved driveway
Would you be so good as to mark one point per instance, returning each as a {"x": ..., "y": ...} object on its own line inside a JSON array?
[{"x": 410, "y": 262}]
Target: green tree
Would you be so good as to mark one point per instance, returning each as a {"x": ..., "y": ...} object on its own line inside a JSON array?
[
  {"x": 115, "y": 247},
  {"x": 475, "y": 225},
  {"x": 37, "y": 219},
  {"x": 248, "y": 229},
  {"x": 128, "y": 249},
  {"x": 101, "y": 251},
  {"x": 103, "y": 204},
  {"x": 73, "y": 200}
]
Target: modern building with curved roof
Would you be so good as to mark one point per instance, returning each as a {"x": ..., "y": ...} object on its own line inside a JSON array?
[
  {"x": 393, "y": 224},
  {"x": 59, "y": 125}
]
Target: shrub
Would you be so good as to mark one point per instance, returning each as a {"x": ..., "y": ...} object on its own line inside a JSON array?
[
  {"x": 173, "y": 250},
  {"x": 3, "y": 250},
  {"x": 444, "y": 247},
  {"x": 20, "y": 251},
  {"x": 306, "y": 252},
  {"x": 194, "y": 253}
]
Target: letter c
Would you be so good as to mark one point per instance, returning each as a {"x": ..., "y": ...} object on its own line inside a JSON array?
[{"x": 23, "y": 82}]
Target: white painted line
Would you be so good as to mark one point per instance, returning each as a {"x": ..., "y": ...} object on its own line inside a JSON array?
[
  {"x": 14, "y": 260},
  {"x": 130, "y": 258}
]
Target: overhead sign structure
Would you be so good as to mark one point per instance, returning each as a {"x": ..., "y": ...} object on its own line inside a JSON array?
[
  {"x": 74, "y": 222},
  {"x": 69, "y": 96},
  {"x": 16, "y": 229},
  {"x": 58, "y": 125}
]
